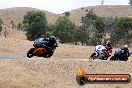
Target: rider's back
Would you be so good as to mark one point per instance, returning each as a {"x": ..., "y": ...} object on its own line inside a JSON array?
[{"x": 40, "y": 42}]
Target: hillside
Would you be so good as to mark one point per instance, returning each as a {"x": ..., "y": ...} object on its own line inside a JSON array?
[
  {"x": 105, "y": 10},
  {"x": 16, "y": 14}
]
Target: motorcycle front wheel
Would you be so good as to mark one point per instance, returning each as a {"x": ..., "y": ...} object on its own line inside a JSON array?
[
  {"x": 123, "y": 59},
  {"x": 30, "y": 53},
  {"x": 92, "y": 56},
  {"x": 48, "y": 54}
]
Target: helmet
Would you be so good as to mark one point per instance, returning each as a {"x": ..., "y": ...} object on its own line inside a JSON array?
[
  {"x": 52, "y": 38},
  {"x": 126, "y": 46},
  {"x": 41, "y": 39},
  {"x": 109, "y": 43}
]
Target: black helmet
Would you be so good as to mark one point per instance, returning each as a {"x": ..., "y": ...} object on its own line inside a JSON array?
[{"x": 52, "y": 38}]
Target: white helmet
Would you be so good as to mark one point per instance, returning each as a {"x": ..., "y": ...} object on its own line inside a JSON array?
[{"x": 126, "y": 46}]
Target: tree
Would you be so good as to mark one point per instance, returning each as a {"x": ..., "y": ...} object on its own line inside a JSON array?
[
  {"x": 93, "y": 26},
  {"x": 93, "y": 41},
  {"x": 77, "y": 34},
  {"x": 122, "y": 29},
  {"x": 123, "y": 23},
  {"x": 1, "y": 22},
  {"x": 51, "y": 28},
  {"x": 12, "y": 24},
  {"x": 80, "y": 36},
  {"x": 35, "y": 23},
  {"x": 91, "y": 15},
  {"x": 67, "y": 14},
  {"x": 5, "y": 32},
  {"x": 64, "y": 29},
  {"x": 100, "y": 25},
  {"x": 86, "y": 22},
  {"x": 19, "y": 26},
  {"x": 109, "y": 20}
]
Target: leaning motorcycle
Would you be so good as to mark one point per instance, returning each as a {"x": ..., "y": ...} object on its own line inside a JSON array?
[
  {"x": 43, "y": 51},
  {"x": 120, "y": 55},
  {"x": 99, "y": 53}
]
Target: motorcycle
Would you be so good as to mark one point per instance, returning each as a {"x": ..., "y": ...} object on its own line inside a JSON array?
[
  {"x": 41, "y": 51},
  {"x": 99, "y": 53},
  {"x": 119, "y": 55}
]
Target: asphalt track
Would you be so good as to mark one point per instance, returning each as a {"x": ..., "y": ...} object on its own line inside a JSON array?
[{"x": 12, "y": 57}]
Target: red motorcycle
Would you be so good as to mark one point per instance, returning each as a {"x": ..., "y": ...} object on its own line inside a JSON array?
[{"x": 44, "y": 51}]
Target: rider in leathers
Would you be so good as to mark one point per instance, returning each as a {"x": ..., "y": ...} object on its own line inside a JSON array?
[{"x": 108, "y": 47}]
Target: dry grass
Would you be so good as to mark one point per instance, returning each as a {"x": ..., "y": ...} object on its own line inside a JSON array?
[{"x": 59, "y": 71}]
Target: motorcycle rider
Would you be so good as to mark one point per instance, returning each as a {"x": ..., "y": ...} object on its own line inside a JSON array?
[
  {"x": 52, "y": 42},
  {"x": 125, "y": 50},
  {"x": 43, "y": 47},
  {"x": 121, "y": 54},
  {"x": 108, "y": 47},
  {"x": 51, "y": 45},
  {"x": 48, "y": 43}
]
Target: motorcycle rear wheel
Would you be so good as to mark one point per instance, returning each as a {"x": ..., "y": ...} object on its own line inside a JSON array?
[
  {"x": 124, "y": 59},
  {"x": 105, "y": 58}
]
